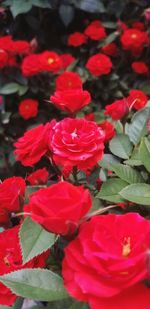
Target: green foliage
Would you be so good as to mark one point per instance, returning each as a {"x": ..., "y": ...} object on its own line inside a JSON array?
[
  {"x": 37, "y": 284},
  {"x": 137, "y": 193},
  {"x": 110, "y": 190},
  {"x": 12, "y": 88},
  {"x": 34, "y": 239},
  {"x": 25, "y": 6},
  {"x": 145, "y": 153},
  {"x": 108, "y": 160},
  {"x": 127, "y": 173},
  {"x": 121, "y": 146}
]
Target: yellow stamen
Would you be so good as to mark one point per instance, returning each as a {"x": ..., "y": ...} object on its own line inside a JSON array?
[
  {"x": 50, "y": 60},
  {"x": 126, "y": 249}
]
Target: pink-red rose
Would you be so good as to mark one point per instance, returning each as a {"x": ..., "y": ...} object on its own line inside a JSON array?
[{"x": 118, "y": 109}]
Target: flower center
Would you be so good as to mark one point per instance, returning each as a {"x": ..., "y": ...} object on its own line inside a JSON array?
[
  {"x": 6, "y": 260},
  {"x": 126, "y": 249},
  {"x": 133, "y": 36},
  {"x": 50, "y": 60},
  {"x": 74, "y": 134}
]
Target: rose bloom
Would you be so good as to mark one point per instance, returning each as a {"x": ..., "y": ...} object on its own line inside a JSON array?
[
  {"x": 21, "y": 47},
  {"x": 110, "y": 50},
  {"x": 31, "y": 65},
  {"x": 77, "y": 39},
  {"x": 68, "y": 80},
  {"x": 50, "y": 61},
  {"x": 76, "y": 142},
  {"x": 60, "y": 207},
  {"x": 137, "y": 99},
  {"x": 71, "y": 100},
  {"x": 95, "y": 31},
  {"x": 90, "y": 117},
  {"x": 28, "y": 108},
  {"x": 118, "y": 109},
  {"x": 99, "y": 64},
  {"x": 33, "y": 145},
  {"x": 138, "y": 25},
  {"x": 134, "y": 40},
  {"x": 107, "y": 257},
  {"x": 11, "y": 190},
  {"x": 3, "y": 58},
  {"x": 109, "y": 130},
  {"x": 6, "y": 43},
  {"x": 140, "y": 67},
  {"x": 11, "y": 260},
  {"x": 38, "y": 177},
  {"x": 67, "y": 59}
]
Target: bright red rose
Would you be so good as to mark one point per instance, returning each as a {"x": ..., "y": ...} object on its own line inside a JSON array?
[
  {"x": 107, "y": 257},
  {"x": 67, "y": 59},
  {"x": 38, "y": 177},
  {"x": 28, "y": 108},
  {"x": 31, "y": 65},
  {"x": 60, "y": 207},
  {"x": 77, "y": 39},
  {"x": 11, "y": 260},
  {"x": 136, "y": 297},
  {"x": 20, "y": 47},
  {"x": 99, "y": 64},
  {"x": 110, "y": 50},
  {"x": 108, "y": 129},
  {"x": 12, "y": 190},
  {"x": 118, "y": 109},
  {"x": 3, "y": 58},
  {"x": 137, "y": 99},
  {"x": 138, "y": 25},
  {"x": 33, "y": 145},
  {"x": 50, "y": 61},
  {"x": 90, "y": 117},
  {"x": 95, "y": 31},
  {"x": 6, "y": 43},
  {"x": 68, "y": 80},
  {"x": 71, "y": 100},
  {"x": 134, "y": 40},
  {"x": 140, "y": 67},
  {"x": 76, "y": 142}
]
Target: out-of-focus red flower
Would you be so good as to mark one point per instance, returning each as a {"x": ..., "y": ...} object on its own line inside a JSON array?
[
  {"x": 6, "y": 43},
  {"x": 31, "y": 65},
  {"x": 147, "y": 14},
  {"x": 99, "y": 64},
  {"x": 77, "y": 39},
  {"x": 134, "y": 40},
  {"x": 95, "y": 31},
  {"x": 3, "y": 58},
  {"x": 28, "y": 108},
  {"x": 108, "y": 129},
  {"x": 118, "y": 109},
  {"x": 110, "y": 50},
  {"x": 33, "y": 145},
  {"x": 20, "y": 47},
  {"x": 121, "y": 26},
  {"x": 50, "y": 61},
  {"x": 11, "y": 260},
  {"x": 90, "y": 117},
  {"x": 76, "y": 142},
  {"x": 59, "y": 207},
  {"x": 67, "y": 59},
  {"x": 138, "y": 25},
  {"x": 112, "y": 258},
  {"x": 71, "y": 100},
  {"x": 137, "y": 99},
  {"x": 140, "y": 67},
  {"x": 38, "y": 177},
  {"x": 68, "y": 80}
]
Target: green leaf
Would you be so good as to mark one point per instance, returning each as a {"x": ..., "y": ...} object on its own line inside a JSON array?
[
  {"x": 22, "y": 89},
  {"x": 110, "y": 38},
  {"x": 133, "y": 162},
  {"x": 17, "y": 9},
  {"x": 127, "y": 173},
  {"x": 108, "y": 161},
  {"x": 121, "y": 146},
  {"x": 18, "y": 303},
  {"x": 5, "y": 307},
  {"x": 138, "y": 126},
  {"x": 37, "y": 284},
  {"x": 66, "y": 13},
  {"x": 34, "y": 239},
  {"x": 110, "y": 190},
  {"x": 145, "y": 153},
  {"x": 9, "y": 88},
  {"x": 137, "y": 193},
  {"x": 78, "y": 305}
]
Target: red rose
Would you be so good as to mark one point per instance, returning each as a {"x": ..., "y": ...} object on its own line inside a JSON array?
[
  {"x": 107, "y": 257},
  {"x": 109, "y": 130},
  {"x": 32, "y": 145},
  {"x": 137, "y": 99},
  {"x": 76, "y": 142},
  {"x": 38, "y": 177},
  {"x": 118, "y": 109},
  {"x": 59, "y": 207},
  {"x": 138, "y": 25},
  {"x": 134, "y": 40},
  {"x": 31, "y": 65},
  {"x": 68, "y": 80},
  {"x": 67, "y": 59},
  {"x": 6, "y": 43},
  {"x": 71, "y": 100},
  {"x": 110, "y": 50},
  {"x": 77, "y": 39},
  {"x": 99, "y": 64},
  {"x": 28, "y": 108},
  {"x": 3, "y": 58},
  {"x": 140, "y": 67},
  {"x": 11, "y": 260},
  {"x": 90, "y": 117},
  {"x": 95, "y": 31},
  {"x": 50, "y": 61},
  {"x": 20, "y": 47}
]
